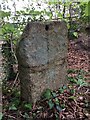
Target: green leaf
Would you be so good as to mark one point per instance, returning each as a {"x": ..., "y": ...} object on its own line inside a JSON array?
[
  {"x": 61, "y": 90},
  {"x": 8, "y": 27},
  {"x": 5, "y": 14},
  {"x": 56, "y": 101},
  {"x": 51, "y": 104},
  {"x": 75, "y": 34},
  {"x": 72, "y": 97},
  {"x": 47, "y": 94},
  {"x": 54, "y": 94},
  {"x": 17, "y": 93},
  {"x": 26, "y": 115},
  {"x": 72, "y": 91},
  {"x": 28, "y": 106},
  {"x": 1, "y": 115},
  {"x": 64, "y": 87},
  {"x": 12, "y": 107},
  {"x": 71, "y": 71},
  {"x": 81, "y": 82},
  {"x": 87, "y": 9},
  {"x": 60, "y": 15},
  {"x": 71, "y": 79},
  {"x": 62, "y": 106},
  {"x": 15, "y": 101}
]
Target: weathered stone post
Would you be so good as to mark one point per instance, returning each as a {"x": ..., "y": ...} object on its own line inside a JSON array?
[{"x": 42, "y": 56}]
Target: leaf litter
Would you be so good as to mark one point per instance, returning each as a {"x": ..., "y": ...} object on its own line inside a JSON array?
[{"x": 71, "y": 102}]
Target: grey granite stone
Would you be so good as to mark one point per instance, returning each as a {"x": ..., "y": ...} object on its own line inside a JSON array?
[{"x": 42, "y": 58}]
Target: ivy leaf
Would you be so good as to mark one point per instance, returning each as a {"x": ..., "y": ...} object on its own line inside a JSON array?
[
  {"x": 51, "y": 104},
  {"x": 61, "y": 90},
  {"x": 72, "y": 91},
  {"x": 56, "y": 101},
  {"x": 75, "y": 34},
  {"x": 81, "y": 82},
  {"x": 47, "y": 94},
  {"x": 71, "y": 71},
  {"x": 71, "y": 79},
  {"x": 54, "y": 94},
  {"x": 28, "y": 106},
  {"x": 26, "y": 115},
  {"x": 12, "y": 107}
]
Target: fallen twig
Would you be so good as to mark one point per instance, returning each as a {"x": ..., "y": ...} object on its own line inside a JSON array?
[{"x": 14, "y": 81}]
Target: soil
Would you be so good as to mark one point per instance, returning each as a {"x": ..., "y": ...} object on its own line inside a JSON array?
[{"x": 75, "y": 98}]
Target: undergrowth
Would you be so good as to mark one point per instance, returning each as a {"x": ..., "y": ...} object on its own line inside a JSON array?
[{"x": 68, "y": 102}]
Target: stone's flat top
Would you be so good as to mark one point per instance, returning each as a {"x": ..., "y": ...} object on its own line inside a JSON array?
[
  {"x": 47, "y": 22},
  {"x": 46, "y": 26}
]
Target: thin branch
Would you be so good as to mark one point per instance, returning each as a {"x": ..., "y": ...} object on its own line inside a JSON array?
[{"x": 15, "y": 81}]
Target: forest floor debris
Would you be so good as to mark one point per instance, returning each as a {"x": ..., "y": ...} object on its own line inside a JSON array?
[{"x": 71, "y": 102}]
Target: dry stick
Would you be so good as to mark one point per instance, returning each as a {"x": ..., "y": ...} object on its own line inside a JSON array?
[
  {"x": 15, "y": 81},
  {"x": 11, "y": 117},
  {"x": 87, "y": 91}
]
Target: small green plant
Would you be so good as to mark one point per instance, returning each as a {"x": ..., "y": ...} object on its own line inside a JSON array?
[
  {"x": 72, "y": 91},
  {"x": 14, "y": 104},
  {"x": 51, "y": 104},
  {"x": 79, "y": 78},
  {"x": 78, "y": 81},
  {"x": 61, "y": 90},
  {"x": 72, "y": 79},
  {"x": 71, "y": 71},
  {"x": 12, "y": 107},
  {"x": 26, "y": 116},
  {"x": 28, "y": 106},
  {"x": 57, "y": 101},
  {"x": 47, "y": 94},
  {"x": 54, "y": 94},
  {"x": 81, "y": 82},
  {"x": 59, "y": 107},
  {"x": 75, "y": 34}
]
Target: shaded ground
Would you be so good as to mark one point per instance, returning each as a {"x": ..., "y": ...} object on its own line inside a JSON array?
[
  {"x": 71, "y": 102},
  {"x": 79, "y": 54}
]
